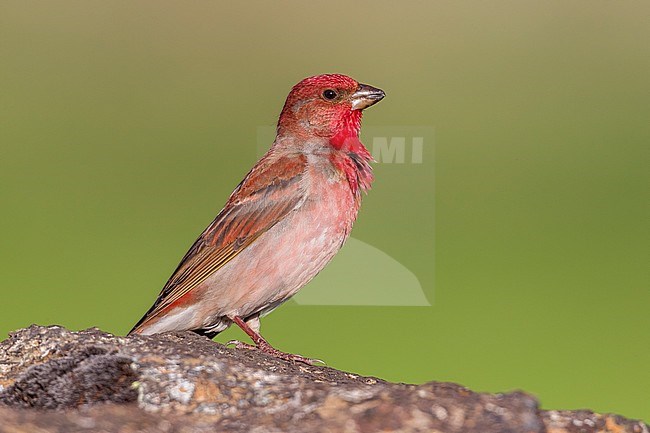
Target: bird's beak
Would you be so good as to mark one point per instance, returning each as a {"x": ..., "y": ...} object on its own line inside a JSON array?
[{"x": 365, "y": 96}]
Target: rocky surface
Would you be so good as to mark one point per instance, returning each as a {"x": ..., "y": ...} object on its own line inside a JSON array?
[{"x": 55, "y": 380}]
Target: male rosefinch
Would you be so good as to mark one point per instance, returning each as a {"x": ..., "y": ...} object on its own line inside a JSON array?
[{"x": 282, "y": 224}]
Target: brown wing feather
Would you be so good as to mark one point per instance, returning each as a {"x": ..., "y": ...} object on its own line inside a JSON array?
[{"x": 267, "y": 194}]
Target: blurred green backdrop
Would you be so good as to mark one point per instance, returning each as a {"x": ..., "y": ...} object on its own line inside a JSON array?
[{"x": 125, "y": 125}]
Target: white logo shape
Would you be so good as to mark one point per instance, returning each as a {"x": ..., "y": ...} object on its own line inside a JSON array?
[{"x": 361, "y": 274}]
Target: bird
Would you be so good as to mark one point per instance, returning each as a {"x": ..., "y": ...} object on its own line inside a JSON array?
[{"x": 281, "y": 225}]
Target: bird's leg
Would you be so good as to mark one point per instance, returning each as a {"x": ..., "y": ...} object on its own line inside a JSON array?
[
  {"x": 253, "y": 324},
  {"x": 263, "y": 345}
]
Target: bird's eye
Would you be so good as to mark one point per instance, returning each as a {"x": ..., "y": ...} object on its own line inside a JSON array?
[{"x": 329, "y": 94}]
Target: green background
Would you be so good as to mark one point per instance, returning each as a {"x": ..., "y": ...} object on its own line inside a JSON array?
[{"x": 125, "y": 125}]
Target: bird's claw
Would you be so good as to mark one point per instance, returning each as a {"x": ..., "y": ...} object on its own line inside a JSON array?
[
  {"x": 270, "y": 350},
  {"x": 240, "y": 345}
]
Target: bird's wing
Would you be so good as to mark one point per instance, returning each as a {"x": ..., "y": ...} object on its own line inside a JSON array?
[{"x": 270, "y": 191}]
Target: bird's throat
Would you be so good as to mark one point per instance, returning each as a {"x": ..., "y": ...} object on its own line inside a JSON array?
[
  {"x": 354, "y": 158},
  {"x": 347, "y": 135}
]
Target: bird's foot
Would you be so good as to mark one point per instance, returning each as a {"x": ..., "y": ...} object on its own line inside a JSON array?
[{"x": 264, "y": 347}]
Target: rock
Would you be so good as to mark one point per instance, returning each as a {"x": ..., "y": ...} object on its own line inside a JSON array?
[{"x": 55, "y": 380}]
